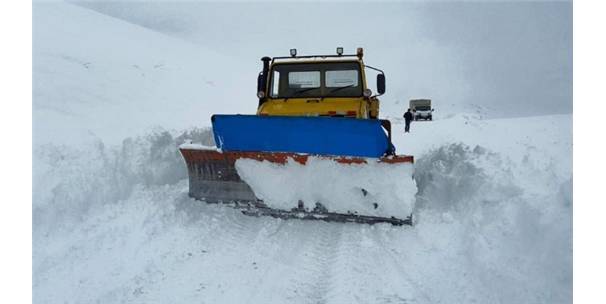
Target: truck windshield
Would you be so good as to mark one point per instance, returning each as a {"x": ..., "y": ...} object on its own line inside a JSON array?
[
  {"x": 327, "y": 79},
  {"x": 422, "y": 108}
]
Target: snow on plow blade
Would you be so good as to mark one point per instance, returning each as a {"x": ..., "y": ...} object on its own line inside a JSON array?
[
  {"x": 346, "y": 190},
  {"x": 327, "y": 168}
]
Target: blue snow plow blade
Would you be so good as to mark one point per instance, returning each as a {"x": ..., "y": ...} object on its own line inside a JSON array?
[{"x": 311, "y": 135}]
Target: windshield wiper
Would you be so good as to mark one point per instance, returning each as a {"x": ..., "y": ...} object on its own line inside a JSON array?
[
  {"x": 340, "y": 88},
  {"x": 304, "y": 90}
]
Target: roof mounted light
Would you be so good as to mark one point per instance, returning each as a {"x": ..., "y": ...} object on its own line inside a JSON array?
[
  {"x": 360, "y": 52},
  {"x": 293, "y": 52},
  {"x": 340, "y": 51}
]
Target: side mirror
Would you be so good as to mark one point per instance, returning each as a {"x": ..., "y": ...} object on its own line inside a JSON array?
[
  {"x": 261, "y": 88},
  {"x": 432, "y": 110},
  {"x": 381, "y": 84}
]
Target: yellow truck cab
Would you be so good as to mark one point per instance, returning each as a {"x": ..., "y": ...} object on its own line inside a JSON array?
[{"x": 318, "y": 85}]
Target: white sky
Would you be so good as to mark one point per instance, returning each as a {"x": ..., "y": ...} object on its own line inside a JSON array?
[{"x": 512, "y": 58}]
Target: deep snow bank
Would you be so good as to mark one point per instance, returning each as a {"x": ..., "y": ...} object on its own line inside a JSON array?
[
  {"x": 506, "y": 226},
  {"x": 69, "y": 182},
  {"x": 375, "y": 189}
]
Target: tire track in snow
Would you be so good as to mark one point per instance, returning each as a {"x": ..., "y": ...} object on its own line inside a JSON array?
[
  {"x": 233, "y": 253},
  {"x": 280, "y": 258},
  {"x": 353, "y": 268},
  {"x": 399, "y": 271},
  {"x": 176, "y": 251},
  {"x": 250, "y": 250},
  {"x": 434, "y": 269},
  {"x": 313, "y": 279},
  {"x": 363, "y": 276},
  {"x": 213, "y": 262}
]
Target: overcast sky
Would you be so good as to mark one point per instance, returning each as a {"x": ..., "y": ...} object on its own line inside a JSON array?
[{"x": 514, "y": 58}]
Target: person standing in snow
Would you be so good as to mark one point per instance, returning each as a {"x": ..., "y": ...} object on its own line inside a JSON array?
[{"x": 407, "y": 119}]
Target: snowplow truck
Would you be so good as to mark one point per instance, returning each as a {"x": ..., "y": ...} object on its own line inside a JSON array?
[{"x": 315, "y": 149}]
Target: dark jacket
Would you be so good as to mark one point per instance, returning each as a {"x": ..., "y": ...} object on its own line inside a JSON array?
[{"x": 408, "y": 116}]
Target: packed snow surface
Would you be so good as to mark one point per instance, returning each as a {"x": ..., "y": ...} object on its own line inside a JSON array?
[
  {"x": 373, "y": 188},
  {"x": 113, "y": 223}
]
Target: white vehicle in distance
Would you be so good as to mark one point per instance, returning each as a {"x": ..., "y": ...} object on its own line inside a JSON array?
[{"x": 421, "y": 109}]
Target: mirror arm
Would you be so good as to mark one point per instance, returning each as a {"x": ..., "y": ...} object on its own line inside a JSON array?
[
  {"x": 378, "y": 70},
  {"x": 372, "y": 68}
]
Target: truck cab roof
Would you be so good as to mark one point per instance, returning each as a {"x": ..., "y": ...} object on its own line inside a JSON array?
[{"x": 316, "y": 59}]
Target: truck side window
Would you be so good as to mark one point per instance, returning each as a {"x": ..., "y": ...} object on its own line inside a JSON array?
[{"x": 275, "y": 84}]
